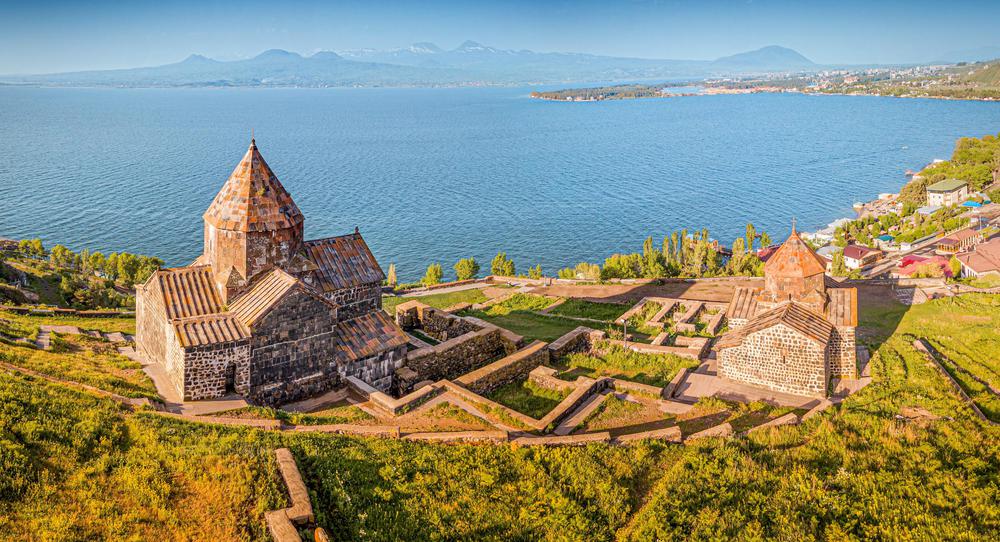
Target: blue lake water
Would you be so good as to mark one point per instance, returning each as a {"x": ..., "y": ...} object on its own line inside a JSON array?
[{"x": 440, "y": 174}]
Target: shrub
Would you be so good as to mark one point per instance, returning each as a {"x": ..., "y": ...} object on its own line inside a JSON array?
[
  {"x": 467, "y": 268},
  {"x": 433, "y": 275},
  {"x": 502, "y": 266}
]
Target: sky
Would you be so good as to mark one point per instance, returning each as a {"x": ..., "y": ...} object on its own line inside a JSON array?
[{"x": 55, "y": 36}]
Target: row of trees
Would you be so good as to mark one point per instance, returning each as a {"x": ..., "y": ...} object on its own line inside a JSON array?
[
  {"x": 465, "y": 269},
  {"x": 122, "y": 267}
]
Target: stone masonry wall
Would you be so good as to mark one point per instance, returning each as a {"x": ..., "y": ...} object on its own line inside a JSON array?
[
  {"x": 780, "y": 359},
  {"x": 512, "y": 368},
  {"x": 293, "y": 351},
  {"x": 843, "y": 353},
  {"x": 376, "y": 370},
  {"x": 457, "y": 356},
  {"x": 205, "y": 369},
  {"x": 358, "y": 300},
  {"x": 436, "y": 323},
  {"x": 151, "y": 327}
]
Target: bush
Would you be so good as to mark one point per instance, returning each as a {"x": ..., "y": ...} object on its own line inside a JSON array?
[{"x": 502, "y": 266}]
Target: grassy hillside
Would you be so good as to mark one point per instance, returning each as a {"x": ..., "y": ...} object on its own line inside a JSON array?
[
  {"x": 76, "y": 467},
  {"x": 975, "y": 160}
]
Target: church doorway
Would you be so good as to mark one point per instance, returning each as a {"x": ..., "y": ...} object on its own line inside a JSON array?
[{"x": 230, "y": 378}]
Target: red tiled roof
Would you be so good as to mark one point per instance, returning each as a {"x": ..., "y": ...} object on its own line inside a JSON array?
[
  {"x": 343, "y": 262},
  {"x": 209, "y": 329},
  {"x": 744, "y": 303},
  {"x": 368, "y": 335},
  {"x": 858, "y": 252},
  {"x": 794, "y": 259},
  {"x": 186, "y": 291},
  {"x": 253, "y": 199},
  {"x": 791, "y": 314}
]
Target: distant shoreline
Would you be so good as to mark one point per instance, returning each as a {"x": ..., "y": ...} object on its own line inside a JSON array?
[{"x": 546, "y": 96}]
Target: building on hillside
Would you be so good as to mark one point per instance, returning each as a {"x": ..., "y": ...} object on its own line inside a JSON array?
[
  {"x": 958, "y": 241},
  {"x": 982, "y": 260},
  {"x": 948, "y": 192},
  {"x": 928, "y": 210},
  {"x": 857, "y": 256},
  {"x": 912, "y": 265},
  {"x": 264, "y": 312},
  {"x": 796, "y": 333},
  {"x": 885, "y": 241}
]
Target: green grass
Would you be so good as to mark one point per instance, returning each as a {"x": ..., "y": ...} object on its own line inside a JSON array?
[
  {"x": 527, "y": 398},
  {"x": 520, "y": 303},
  {"x": 579, "y": 308},
  {"x": 618, "y": 362},
  {"x": 29, "y": 323},
  {"x": 86, "y": 360},
  {"x": 985, "y": 281},
  {"x": 531, "y": 325},
  {"x": 439, "y": 301}
]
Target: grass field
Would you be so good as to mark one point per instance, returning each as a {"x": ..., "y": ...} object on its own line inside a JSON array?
[
  {"x": 440, "y": 301},
  {"x": 618, "y": 362},
  {"x": 528, "y": 398},
  {"x": 579, "y": 308},
  {"x": 77, "y": 467},
  {"x": 531, "y": 325}
]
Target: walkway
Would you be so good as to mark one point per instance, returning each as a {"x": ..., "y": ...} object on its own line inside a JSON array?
[{"x": 172, "y": 399}]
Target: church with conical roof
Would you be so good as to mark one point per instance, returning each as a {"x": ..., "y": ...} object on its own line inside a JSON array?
[
  {"x": 264, "y": 312},
  {"x": 797, "y": 332}
]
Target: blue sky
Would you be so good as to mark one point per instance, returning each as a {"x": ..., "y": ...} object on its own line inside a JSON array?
[{"x": 48, "y": 36}]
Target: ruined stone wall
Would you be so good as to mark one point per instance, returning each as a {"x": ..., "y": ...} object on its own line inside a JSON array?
[
  {"x": 206, "y": 367},
  {"x": 455, "y": 357},
  {"x": 581, "y": 339},
  {"x": 512, "y": 368},
  {"x": 174, "y": 362},
  {"x": 358, "y": 300},
  {"x": 376, "y": 370},
  {"x": 843, "y": 353},
  {"x": 293, "y": 352},
  {"x": 780, "y": 359},
  {"x": 437, "y": 323}
]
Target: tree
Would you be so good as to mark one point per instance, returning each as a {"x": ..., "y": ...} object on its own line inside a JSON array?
[
  {"x": 128, "y": 267},
  {"x": 535, "y": 272},
  {"x": 97, "y": 262},
  {"x": 765, "y": 240},
  {"x": 751, "y": 236},
  {"x": 433, "y": 275},
  {"x": 390, "y": 277},
  {"x": 839, "y": 268},
  {"x": 956, "y": 267},
  {"x": 60, "y": 256},
  {"x": 502, "y": 266},
  {"x": 111, "y": 266},
  {"x": 467, "y": 268}
]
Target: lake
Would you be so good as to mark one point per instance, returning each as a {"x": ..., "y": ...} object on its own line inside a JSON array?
[{"x": 434, "y": 175}]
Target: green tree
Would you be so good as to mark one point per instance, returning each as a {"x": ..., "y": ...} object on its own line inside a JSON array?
[
  {"x": 535, "y": 272},
  {"x": 765, "y": 240},
  {"x": 111, "y": 266},
  {"x": 839, "y": 268},
  {"x": 751, "y": 236},
  {"x": 467, "y": 268},
  {"x": 502, "y": 266},
  {"x": 128, "y": 267},
  {"x": 96, "y": 262},
  {"x": 956, "y": 267},
  {"x": 433, "y": 275}
]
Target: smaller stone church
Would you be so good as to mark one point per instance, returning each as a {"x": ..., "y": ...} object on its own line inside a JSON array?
[
  {"x": 796, "y": 333},
  {"x": 264, "y": 312}
]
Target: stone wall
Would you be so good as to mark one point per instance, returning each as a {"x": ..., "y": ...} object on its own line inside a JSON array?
[
  {"x": 206, "y": 368},
  {"x": 843, "y": 353},
  {"x": 152, "y": 330},
  {"x": 512, "y": 368},
  {"x": 778, "y": 358},
  {"x": 357, "y": 300},
  {"x": 437, "y": 323},
  {"x": 581, "y": 339},
  {"x": 455, "y": 357},
  {"x": 293, "y": 351},
  {"x": 378, "y": 370}
]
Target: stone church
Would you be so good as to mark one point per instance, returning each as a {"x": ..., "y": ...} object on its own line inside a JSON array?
[
  {"x": 264, "y": 312},
  {"x": 796, "y": 333}
]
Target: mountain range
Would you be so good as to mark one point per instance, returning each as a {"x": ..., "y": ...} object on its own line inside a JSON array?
[{"x": 423, "y": 64}]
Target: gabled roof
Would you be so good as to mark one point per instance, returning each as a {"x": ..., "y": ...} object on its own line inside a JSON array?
[
  {"x": 368, "y": 335},
  {"x": 186, "y": 291},
  {"x": 744, "y": 303},
  {"x": 857, "y": 252},
  {"x": 794, "y": 259},
  {"x": 790, "y": 314},
  {"x": 253, "y": 199},
  {"x": 343, "y": 262},
  {"x": 209, "y": 329},
  {"x": 984, "y": 258},
  {"x": 265, "y": 293}
]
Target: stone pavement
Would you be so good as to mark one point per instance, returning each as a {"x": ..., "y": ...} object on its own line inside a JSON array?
[{"x": 704, "y": 382}]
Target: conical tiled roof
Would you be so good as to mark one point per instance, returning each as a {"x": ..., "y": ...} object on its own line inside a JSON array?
[
  {"x": 795, "y": 259},
  {"x": 253, "y": 199}
]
